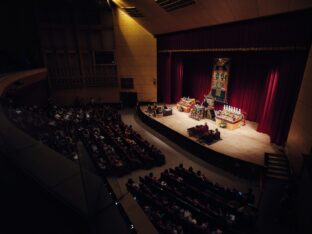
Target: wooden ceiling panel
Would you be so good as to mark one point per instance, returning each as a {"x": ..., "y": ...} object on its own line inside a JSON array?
[
  {"x": 174, "y": 5},
  {"x": 299, "y": 4},
  {"x": 150, "y": 8},
  {"x": 218, "y": 10},
  {"x": 269, "y": 7},
  {"x": 243, "y": 9},
  {"x": 207, "y": 12}
]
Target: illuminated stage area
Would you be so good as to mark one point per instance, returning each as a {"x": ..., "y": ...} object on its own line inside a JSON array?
[{"x": 244, "y": 143}]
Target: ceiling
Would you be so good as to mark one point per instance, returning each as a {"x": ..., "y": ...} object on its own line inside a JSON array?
[{"x": 206, "y": 12}]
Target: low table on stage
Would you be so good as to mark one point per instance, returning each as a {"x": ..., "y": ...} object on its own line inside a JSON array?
[
  {"x": 167, "y": 112},
  {"x": 186, "y": 104},
  {"x": 197, "y": 112},
  {"x": 231, "y": 120},
  {"x": 229, "y": 124}
]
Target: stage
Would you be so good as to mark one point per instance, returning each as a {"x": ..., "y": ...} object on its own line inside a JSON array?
[{"x": 244, "y": 143}]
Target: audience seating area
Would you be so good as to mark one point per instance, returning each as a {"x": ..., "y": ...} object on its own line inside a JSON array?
[
  {"x": 115, "y": 147},
  {"x": 181, "y": 201},
  {"x": 185, "y": 201}
]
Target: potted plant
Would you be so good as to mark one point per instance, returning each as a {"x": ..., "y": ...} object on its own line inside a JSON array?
[{"x": 223, "y": 124}]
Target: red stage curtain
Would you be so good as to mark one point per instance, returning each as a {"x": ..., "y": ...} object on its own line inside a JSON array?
[
  {"x": 170, "y": 68},
  {"x": 164, "y": 84},
  {"x": 291, "y": 68},
  {"x": 283, "y": 30},
  {"x": 247, "y": 82},
  {"x": 197, "y": 72},
  {"x": 177, "y": 70},
  {"x": 265, "y": 121}
]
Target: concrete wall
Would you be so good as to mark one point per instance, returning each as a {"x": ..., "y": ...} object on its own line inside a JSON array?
[
  {"x": 135, "y": 54},
  {"x": 70, "y": 40},
  {"x": 300, "y": 134}
]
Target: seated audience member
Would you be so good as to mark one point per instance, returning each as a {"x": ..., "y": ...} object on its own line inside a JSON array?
[{"x": 249, "y": 196}]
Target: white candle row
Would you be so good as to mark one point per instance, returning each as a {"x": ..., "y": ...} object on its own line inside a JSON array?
[{"x": 232, "y": 109}]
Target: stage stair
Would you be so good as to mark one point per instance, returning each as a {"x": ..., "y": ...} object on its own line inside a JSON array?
[{"x": 277, "y": 166}]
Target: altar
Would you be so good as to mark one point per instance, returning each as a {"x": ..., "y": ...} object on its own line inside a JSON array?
[
  {"x": 229, "y": 124},
  {"x": 230, "y": 118},
  {"x": 186, "y": 104}
]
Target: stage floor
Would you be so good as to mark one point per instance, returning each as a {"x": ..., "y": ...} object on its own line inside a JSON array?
[{"x": 244, "y": 143}]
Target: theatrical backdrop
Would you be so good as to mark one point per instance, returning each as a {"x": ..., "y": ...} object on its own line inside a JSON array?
[{"x": 267, "y": 59}]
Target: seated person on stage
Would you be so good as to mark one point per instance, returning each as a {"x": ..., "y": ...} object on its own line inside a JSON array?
[
  {"x": 205, "y": 103},
  {"x": 154, "y": 109},
  {"x": 208, "y": 137},
  {"x": 165, "y": 107},
  {"x": 217, "y": 135},
  {"x": 197, "y": 102},
  {"x": 159, "y": 110},
  {"x": 205, "y": 127},
  {"x": 149, "y": 108}
]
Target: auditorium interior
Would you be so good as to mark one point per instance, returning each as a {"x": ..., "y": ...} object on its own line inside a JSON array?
[{"x": 156, "y": 116}]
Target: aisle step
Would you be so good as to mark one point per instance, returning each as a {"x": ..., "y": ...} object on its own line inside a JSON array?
[
  {"x": 277, "y": 176},
  {"x": 277, "y": 159},
  {"x": 283, "y": 157},
  {"x": 277, "y": 172},
  {"x": 274, "y": 162},
  {"x": 279, "y": 167}
]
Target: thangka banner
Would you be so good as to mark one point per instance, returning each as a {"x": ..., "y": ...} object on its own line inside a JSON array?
[{"x": 220, "y": 79}]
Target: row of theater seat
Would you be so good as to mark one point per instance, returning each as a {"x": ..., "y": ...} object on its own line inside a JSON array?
[
  {"x": 115, "y": 147},
  {"x": 184, "y": 201}
]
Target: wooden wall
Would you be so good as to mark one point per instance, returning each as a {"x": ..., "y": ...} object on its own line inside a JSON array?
[
  {"x": 136, "y": 56},
  {"x": 300, "y": 134}
]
